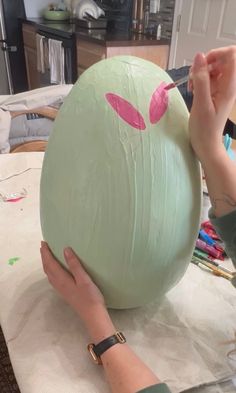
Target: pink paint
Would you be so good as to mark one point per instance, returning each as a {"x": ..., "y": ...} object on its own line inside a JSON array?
[
  {"x": 158, "y": 104},
  {"x": 126, "y": 111},
  {"x": 170, "y": 86},
  {"x": 14, "y": 199}
]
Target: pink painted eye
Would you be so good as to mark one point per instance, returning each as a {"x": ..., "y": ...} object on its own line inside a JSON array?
[
  {"x": 158, "y": 104},
  {"x": 126, "y": 111}
]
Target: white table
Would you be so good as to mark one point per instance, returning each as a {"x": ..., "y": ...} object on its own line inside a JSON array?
[{"x": 180, "y": 340}]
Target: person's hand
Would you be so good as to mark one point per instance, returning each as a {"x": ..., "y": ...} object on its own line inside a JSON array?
[
  {"x": 79, "y": 291},
  {"x": 213, "y": 79}
]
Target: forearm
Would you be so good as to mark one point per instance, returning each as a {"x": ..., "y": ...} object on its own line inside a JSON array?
[
  {"x": 220, "y": 173},
  {"x": 125, "y": 371},
  {"x": 213, "y": 80}
]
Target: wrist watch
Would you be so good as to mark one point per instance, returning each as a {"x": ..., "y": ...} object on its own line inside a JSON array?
[{"x": 97, "y": 350}]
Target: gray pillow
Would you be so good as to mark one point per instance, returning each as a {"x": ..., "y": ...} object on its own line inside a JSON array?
[{"x": 29, "y": 127}]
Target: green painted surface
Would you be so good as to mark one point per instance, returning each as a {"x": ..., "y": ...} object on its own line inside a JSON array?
[
  {"x": 127, "y": 201},
  {"x": 13, "y": 260}
]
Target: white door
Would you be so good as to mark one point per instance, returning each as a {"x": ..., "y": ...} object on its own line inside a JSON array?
[{"x": 201, "y": 25}]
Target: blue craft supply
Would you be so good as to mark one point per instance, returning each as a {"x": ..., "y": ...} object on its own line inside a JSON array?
[
  {"x": 227, "y": 144},
  {"x": 204, "y": 236}
]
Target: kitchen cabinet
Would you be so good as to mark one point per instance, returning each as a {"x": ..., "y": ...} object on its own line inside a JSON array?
[
  {"x": 89, "y": 53},
  {"x": 29, "y": 39},
  {"x": 157, "y": 54},
  {"x": 92, "y": 46}
]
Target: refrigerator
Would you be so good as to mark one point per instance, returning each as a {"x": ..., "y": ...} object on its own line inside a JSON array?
[{"x": 13, "y": 77}]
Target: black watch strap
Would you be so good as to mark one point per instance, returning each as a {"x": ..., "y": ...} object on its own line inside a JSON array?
[{"x": 97, "y": 350}]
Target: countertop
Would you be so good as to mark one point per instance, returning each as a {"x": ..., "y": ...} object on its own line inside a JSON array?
[{"x": 102, "y": 37}]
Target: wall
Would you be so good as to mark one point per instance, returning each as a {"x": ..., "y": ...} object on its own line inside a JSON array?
[
  {"x": 34, "y": 8},
  {"x": 167, "y": 14},
  {"x": 165, "y": 17}
]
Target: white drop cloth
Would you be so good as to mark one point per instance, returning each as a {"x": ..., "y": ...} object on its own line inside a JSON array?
[{"x": 180, "y": 341}]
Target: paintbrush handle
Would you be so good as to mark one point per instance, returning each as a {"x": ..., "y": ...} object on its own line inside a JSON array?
[
  {"x": 185, "y": 78},
  {"x": 181, "y": 81},
  {"x": 215, "y": 269}
]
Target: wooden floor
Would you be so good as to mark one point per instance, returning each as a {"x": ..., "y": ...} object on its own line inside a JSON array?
[{"x": 8, "y": 382}]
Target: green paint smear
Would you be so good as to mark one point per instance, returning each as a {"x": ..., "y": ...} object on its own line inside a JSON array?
[{"x": 12, "y": 261}]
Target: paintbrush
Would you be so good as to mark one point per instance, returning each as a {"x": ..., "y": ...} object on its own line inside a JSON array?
[
  {"x": 177, "y": 83},
  {"x": 215, "y": 269},
  {"x": 184, "y": 79},
  {"x": 197, "y": 255}
]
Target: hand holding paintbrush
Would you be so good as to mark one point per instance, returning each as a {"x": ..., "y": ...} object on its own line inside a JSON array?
[
  {"x": 212, "y": 68},
  {"x": 214, "y": 96}
]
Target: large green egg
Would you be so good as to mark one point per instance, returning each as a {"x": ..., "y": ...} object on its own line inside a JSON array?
[{"x": 120, "y": 183}]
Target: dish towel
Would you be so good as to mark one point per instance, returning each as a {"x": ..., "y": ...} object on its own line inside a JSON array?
[
  {"x": 46, "y": 55},
  {"x": 56, "y": 61},
  {"x": 40, "y": 53}
]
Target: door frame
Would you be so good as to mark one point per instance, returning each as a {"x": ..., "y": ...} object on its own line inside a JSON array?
[{"x": 175, "y": 33}]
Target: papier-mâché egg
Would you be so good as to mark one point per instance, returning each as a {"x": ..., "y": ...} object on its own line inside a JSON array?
[{"x": 120, "y": 183}]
